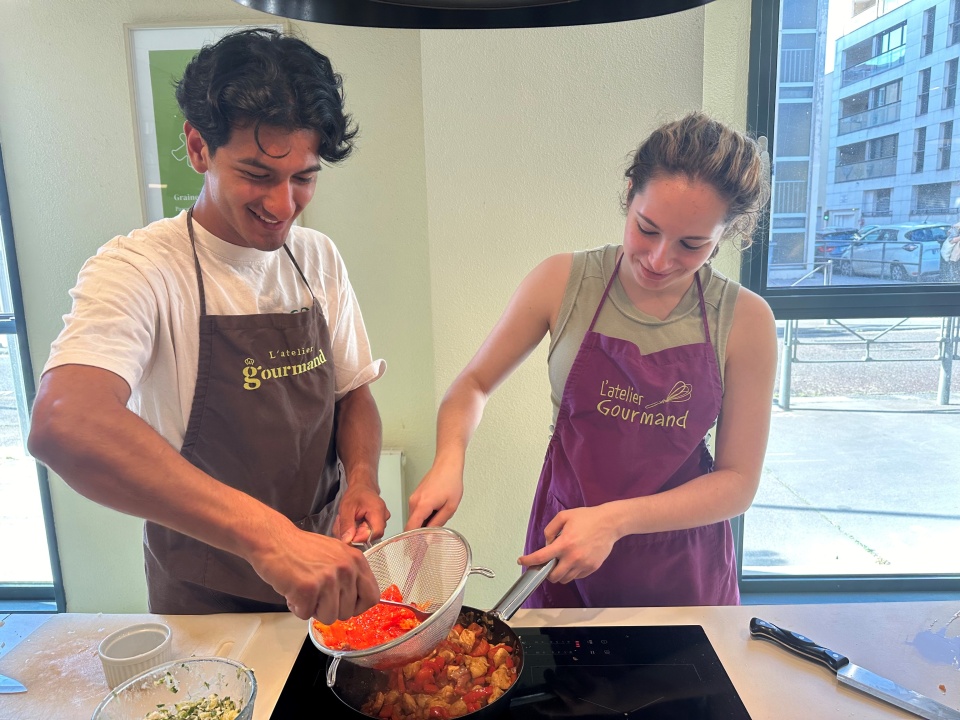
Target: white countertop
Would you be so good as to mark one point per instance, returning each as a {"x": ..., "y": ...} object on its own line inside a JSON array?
[{"x": 916, "y": 644}]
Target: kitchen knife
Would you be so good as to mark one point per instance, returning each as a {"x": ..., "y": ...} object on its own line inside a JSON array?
[
  {"x": 9, "y": 685},
  {"x": 854, "y": 675}
]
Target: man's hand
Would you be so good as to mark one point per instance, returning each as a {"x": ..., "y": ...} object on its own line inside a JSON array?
[
  {"x": 363, "y": 515},
  {"x": 320, "y": 577}
]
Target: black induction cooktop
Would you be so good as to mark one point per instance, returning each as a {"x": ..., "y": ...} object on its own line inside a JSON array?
[{"x": 667, "y": 672}]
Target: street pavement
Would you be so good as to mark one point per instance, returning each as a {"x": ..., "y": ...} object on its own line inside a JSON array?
[
  {"x": 861, "y": 474},
  {"x": 858, "y": 486}
]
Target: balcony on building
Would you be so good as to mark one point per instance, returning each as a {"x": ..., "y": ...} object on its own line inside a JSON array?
[
  {"x": 869, "y": 118},
  {"x": 874, "y": 66},
  {"x": 790, "y": 196},
  {"x": 874, "y": 55},
  {"x": 797, "y": 65},
  {"x": 881, "y": 167}
]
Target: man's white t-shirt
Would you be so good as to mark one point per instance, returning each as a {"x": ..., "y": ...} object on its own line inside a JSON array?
[{"x": 136, "y": 311}]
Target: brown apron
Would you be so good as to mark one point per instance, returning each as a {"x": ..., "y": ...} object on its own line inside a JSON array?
[{"x": 262, "y": 421}]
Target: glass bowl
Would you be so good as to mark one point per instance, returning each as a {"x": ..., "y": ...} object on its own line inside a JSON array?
[{"x": 179, "y": 681}]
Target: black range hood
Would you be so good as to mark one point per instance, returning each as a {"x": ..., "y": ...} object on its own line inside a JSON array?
[{"x": 467, "y": 14}]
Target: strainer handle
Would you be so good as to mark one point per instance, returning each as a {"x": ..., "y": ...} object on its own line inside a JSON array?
[
  {"x": 486, "y": 572},
  {"x": 332, "y": 671},
  {"x": 521, "y": 589}
]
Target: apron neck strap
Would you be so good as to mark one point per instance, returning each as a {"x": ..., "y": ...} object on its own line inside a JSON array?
[
  {"x": 703, "y": 307},
  {"x": 302, "y": 276},
  {"x": 196, "y": 262},
  {"x": 606, "y": 292}
]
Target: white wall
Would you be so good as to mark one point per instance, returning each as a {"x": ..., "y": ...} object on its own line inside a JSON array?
[
  {"x": 551, "y": 115},
  {"x": 480, "y": 153}
]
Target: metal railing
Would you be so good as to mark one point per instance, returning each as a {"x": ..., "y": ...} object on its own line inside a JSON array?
[
  {"x": 863, "y": 258},
  {"x": 825, "y": 268},
  {"x": 934, "y": 209},
  {"x": 869, "y": 118},
  {"x": 796, "y": 65},
  {"x": 947, "y": 344},
  {"x": 880, "y": 167},
  {"x": 874, "y": 66},
  {"x": 790, "y": 196}
]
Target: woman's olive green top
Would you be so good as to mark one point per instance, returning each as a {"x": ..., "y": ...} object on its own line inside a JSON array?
[{"x": 619, "y": 318}]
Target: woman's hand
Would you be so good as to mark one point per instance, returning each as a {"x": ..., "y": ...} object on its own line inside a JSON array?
[
  {"x": 580, "y": 539},
  {"x": 437, "y": 497}
]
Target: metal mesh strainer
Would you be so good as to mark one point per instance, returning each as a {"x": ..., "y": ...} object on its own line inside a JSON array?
[{"x": 430, "y": 566}]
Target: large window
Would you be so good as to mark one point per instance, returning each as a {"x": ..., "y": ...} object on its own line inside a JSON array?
[
  {"x": 29, "y": 575},
  {"x": 858, "y": 491}
]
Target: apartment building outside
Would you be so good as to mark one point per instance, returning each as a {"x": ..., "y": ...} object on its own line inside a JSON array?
[
  {"x": 797, "y": 138},
  {"x": 867, "y": 115},
  {"x": 894, "y": 119}
]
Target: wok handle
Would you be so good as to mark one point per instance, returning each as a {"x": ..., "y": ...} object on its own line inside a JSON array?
[{"x": 521, "y": 589}]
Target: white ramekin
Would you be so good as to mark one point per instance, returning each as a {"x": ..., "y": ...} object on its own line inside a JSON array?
[{"x": 134, "y": 649}]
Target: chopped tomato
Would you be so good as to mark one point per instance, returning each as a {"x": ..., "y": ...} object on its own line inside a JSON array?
[
  {"x": 481, "y": 648},
  {"x": 378, "y": 625},
  {"x": 478, "y": 694}
]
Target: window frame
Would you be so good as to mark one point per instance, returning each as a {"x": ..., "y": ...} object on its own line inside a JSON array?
[
  {"x": 810, "y": 303},
  {"x": 27, "y": 594},
  {"x": 833, "y": 302}
]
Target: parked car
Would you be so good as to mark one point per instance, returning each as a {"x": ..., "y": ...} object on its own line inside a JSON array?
[
  {"x": 949, "y": 267},
  {"x": 898, "y": 252},
  {"x": 830, "y": 243}
]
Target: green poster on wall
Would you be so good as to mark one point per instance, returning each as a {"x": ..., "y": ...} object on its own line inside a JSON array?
[{"x": 179, "y": 183}]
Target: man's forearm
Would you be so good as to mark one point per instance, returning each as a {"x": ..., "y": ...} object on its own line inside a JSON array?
[
  {"x": 359, "y": 436},
  {"x": 109, "y": 455}
]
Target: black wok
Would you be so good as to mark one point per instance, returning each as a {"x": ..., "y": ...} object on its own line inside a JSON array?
[{"x": 355, "y": 684}]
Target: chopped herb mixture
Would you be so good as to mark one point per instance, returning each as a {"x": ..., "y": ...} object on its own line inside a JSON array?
[{"x": 212, "y": 707}]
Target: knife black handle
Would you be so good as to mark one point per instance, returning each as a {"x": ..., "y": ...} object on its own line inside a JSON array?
[{"x": 797, "y": 643}]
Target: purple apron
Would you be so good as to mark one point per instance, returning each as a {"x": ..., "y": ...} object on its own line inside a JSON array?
[
  {"x": 632, "y": 425},
  {"x": 262, "y": 421}
]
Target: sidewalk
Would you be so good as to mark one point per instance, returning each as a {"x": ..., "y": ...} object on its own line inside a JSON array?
[{"x": 858, "y": 485}]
